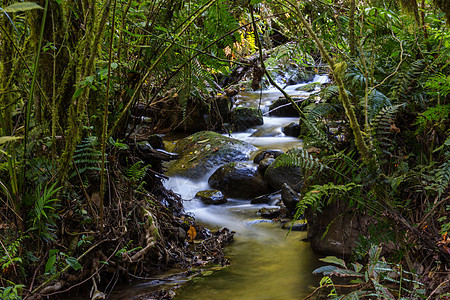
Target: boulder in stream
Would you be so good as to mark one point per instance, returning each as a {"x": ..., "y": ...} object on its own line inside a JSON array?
[
  {"x": 239, "y": 180},
  {"x": 289, "y": 197},
  {"x": 336, "y": 230},
  {"x": 292, "y": 129},
  {"x": 266, "y": 154},
  {"x": 283, "y": 108},
  {"x": 211, "y": 197},
  {"x": 277, "y": 174},
  {"x": 246, "y": 117},
  {"x": 204, "y": 150}
]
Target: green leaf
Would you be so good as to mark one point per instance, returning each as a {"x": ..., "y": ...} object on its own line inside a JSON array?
[
  {"x": 73, "y": 262},
  {"x": 334, "y": 260},
  {"x": 326, "y": 270},
  {"x": 20, "y": 7},
  {"x": 50, "y": 263},
  {"x": 5, "y": 139}
]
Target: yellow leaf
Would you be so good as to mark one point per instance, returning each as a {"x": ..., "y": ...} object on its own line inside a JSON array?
[{"x": 191, "y": 233}]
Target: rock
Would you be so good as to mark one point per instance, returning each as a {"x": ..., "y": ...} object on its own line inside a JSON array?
[
  {"x": 156, "y": 141},
  {"x": 297, "y": 225},
  {"x": 310, "y": 87},
  {"x": 246, "y": 117},
  {"x": 277, "y": 175},
  {"x": 271, "y": 199},
  {"x": 204, "y": 150},
  {"x": 239, "y": 180},
  {"x": 269, "y": 213},
  {"x": 283, "y": 108},
  {"x": 301, "y": 77},
  {"x": 293, "y": 129},
  {"x": 289, "y": 197},
  {"x": 265, "y": 163},
  {"x": 342, "y": 225},
  {"x": 211, "y": 197},
  {"x": 265, "y": 154}
]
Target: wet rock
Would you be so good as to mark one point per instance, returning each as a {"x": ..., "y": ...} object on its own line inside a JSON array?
[
  {"x": 270, "y": 131},
  {"x": 310, "y": 87},
  {"x": 289, "y": 197},
  {"x": 204, "y": 150},
  {"x": 276, "y": 175},
  {"x": 269, "y": 213},
  {"x": 156, "y": 141},
  {"x": 265, "y": 154},
  {"x": 293, "y": 129},
  {"x": 211, "y": 197},
  {"x": 283, "y": 108},
  {"x": 220, "y": 111},
  {"x": 239, "y": 180},
  {"x": 297, "y": 225},
  {"x": 265, "y": 163},
  {"x": 301, "y": 77},
  {"x": 342, "y": 225},
  {"x": 246, "y": 117},
  {"x": 271, "y": 199}
]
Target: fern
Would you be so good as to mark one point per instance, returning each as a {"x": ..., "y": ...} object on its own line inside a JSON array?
[
  {"x": 86, "y": 157},
  {"x": 329, "y": 92},
  {"x": 377, "y": 101},
  {"x": 405, "y": 81},
  {"x": 441, "y": 176},
  {"x": 318, "y": 193},
  {"x": 299, "y": 158},
  {"x": 432, "y": 117},
  {"x": 383, "y": 126},
  {"x": 137, "y": 171},
  {"x": 439, "y": 85}
]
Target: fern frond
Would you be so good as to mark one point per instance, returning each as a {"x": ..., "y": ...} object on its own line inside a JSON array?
[
  {"x": 86, "y": 157},
  {"x": 137, "y": 171},
  {"x": 405, "y": 81},
  {"x": 377, "y": 101},
  {"x": 299, "y": 158},
  {"x": 383, "y": 126},
  {"x": 317, "y": 194}
]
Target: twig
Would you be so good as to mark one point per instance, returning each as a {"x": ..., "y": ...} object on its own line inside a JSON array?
[
  {"x": 435, "y": 290},
  {"x": 432, "y": 210}
]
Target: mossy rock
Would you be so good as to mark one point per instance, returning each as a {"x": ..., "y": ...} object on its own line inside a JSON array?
[
  {"x": 246, "y": 117},
  {"x": 239, "y": 180},
  {"x": 211, "y": 197},
  {"x": 203, "y": 150},
  {"x": 310, "y": 87}
]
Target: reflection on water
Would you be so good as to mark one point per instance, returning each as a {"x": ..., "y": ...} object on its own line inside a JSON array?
[{"x": 265, "y": 264}]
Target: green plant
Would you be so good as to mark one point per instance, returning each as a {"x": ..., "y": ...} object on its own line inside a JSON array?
[
  {"x": 12, "y": 292},
  {"x": 43, "y": 215},
  {"x": 377, "y": 278},
  {"x": 86, "y": 157}
]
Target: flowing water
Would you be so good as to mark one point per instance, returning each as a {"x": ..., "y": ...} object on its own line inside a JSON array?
[{"x": 265, "y": 263}]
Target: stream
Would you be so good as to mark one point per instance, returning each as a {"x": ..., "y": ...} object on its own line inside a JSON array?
[{"x": 266, "y": 263}]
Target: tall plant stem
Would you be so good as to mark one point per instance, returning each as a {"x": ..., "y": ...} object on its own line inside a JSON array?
[
  {"x": 191, "y": 19},
  {"x": 30, "y": 100},
  {"x": 269, "y": 77},
  {"x": 337, "y": 70},
  {"x": 105, "y": 119}
]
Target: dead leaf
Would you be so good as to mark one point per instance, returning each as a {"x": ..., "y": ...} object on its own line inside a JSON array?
[{"x": 192, "y": 233}]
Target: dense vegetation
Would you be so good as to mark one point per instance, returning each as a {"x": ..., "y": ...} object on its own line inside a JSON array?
[{"x": 76, "y": 76}]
